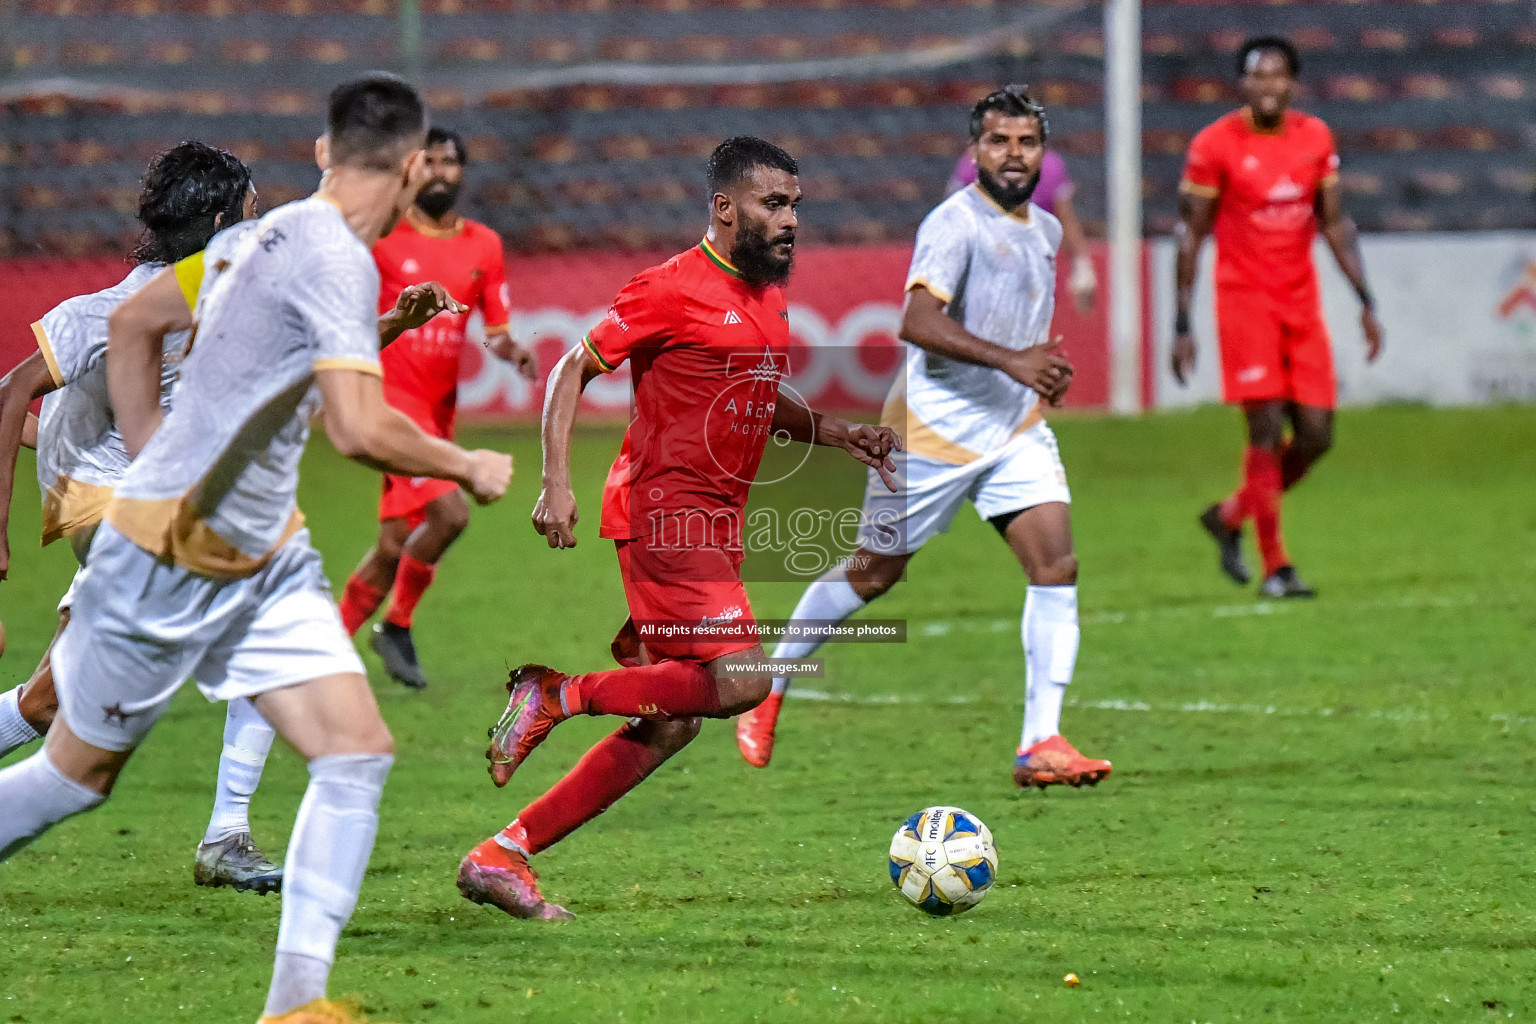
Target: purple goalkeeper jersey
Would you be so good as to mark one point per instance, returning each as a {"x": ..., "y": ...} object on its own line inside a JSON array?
[{"x": 1054, "y": 182}]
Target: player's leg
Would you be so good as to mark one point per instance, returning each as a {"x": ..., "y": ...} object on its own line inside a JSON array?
[
  {"x": 443, "y": 519},
  {"x": 497, "y": 871},
  {"x": 1311, "y": 438},
  {"x": 228, "y": 855},
  {"x": 335, "y": 725},
  {"x": 27, "y": 711},
  {"x": 370, "y": 582}
]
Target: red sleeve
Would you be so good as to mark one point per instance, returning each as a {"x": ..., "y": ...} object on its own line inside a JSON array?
[
  {"x": 644, "y": 314},
  {"x": 1328, "y": 168},
  {"x": 495, "y": 297},
  {"x": 1204, "y": 167}
]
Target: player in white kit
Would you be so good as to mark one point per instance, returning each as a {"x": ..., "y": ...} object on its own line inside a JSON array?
[
  {"x": 202, "y": 567},
  {"x": 980, "y": 296}
]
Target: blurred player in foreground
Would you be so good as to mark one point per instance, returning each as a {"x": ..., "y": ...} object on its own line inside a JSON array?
[
  {"x": 706, "y": 337},
  {"x": 1265, "y": 179},
  {"x": 1054, "y": 195},
  {"x": 202, "y": 565},
  {"x": 980, "y": 296},
  {"x": 189, "y": 193},
  {"x": 419, "y": 517}
]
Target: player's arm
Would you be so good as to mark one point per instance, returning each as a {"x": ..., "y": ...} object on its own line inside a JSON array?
[
  {"x": 135, "y": 337},
  {"x": 417, "y": 304},
  {"x": 1344, "y": 240},
  {"x": 555, "y": 514},
  {"x": 29, "y": 433},
  {"x": 869, "y": 444},
  {"x": 31, "y": 379},
  {"x": 925, "y": 324},
  {"x": 495, "y": 303},
  {"x": 1197, "y": 212},
  {"x": 1083, "y": 282},
  {"x": 364, "y": 428}
]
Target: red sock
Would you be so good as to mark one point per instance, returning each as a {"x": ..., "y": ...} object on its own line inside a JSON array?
[
  {"x": 411, "y": 581},
  {"x": 359, "y": 600},
  {"x": 668, "y": 689},
  {"x": 1233, "y": 511},
  {"x": 1261, "y": 496},
  {"x": 618, "y": 764}
]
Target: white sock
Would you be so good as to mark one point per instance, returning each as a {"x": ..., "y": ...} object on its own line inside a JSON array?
[
  {"x": 332, "y": 838},
  {"x": 1050, "y": 652},
  {"x": 247, "y": 739},
  {"x": 14, "y": 730},
  {"x": 830, "y": 599},
  {"x": 35, "y": 796}
]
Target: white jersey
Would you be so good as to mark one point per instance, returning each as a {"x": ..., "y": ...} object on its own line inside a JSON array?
[
  {"x": 996, "y": 273},
  {"x": 80, "y": 453},
  {"x": 214, "y": 489}
]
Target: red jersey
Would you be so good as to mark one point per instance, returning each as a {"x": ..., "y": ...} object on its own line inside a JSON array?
[
  {"x": 1266, "y": 184},
  {"x": 421, "y": 367},
  {"x": 706, "y": 352}
]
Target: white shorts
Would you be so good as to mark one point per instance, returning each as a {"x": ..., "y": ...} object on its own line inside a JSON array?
[
  {"x": 140, "y": 626},
  {"x": 1025, "y": 472}
]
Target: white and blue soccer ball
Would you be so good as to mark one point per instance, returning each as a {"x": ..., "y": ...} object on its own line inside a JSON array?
[{"x": 943, "y": 860}]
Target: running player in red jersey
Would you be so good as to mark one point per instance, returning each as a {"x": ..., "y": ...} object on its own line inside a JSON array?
[
  {"x": 706, "y": 337},
  {"x": 1265, "y": 179},
  {"x": 420, "y": 517}
]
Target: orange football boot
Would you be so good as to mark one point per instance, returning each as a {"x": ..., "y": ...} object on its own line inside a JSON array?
[
  {"x": 1055, "y": 762},
  {"x": 536, "y": 704},
  {"x": 503, "y": 878},
  {"x": 318, "y": 1011},
  {"x": 754, "y": 730}
]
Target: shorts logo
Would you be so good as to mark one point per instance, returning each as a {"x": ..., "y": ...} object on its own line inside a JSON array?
[
  {"x": 1251, "y": 374},
  {"x": 649, "y": 710},
  {"x": 730, "y": 614},
  {"x": 115, "y": 715},
  {"x": 732, "y": 318}
]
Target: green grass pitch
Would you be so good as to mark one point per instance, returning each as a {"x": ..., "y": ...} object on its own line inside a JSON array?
[{"x": 1319, "y": 811}]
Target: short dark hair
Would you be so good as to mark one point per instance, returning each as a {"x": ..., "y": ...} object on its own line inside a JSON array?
[
  {"x": 736, "y": 158},
  {"x": 374, "y": 120},
  {"x": 184, "y": 192},
  {"x": 437, "y": 136},
  {"x": 1010, "y": 101},
  {"x": 1276, "y": 44}
]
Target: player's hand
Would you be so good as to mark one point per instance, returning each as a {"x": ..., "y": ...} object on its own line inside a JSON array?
[
  {"x": 555, "y": 516},
  {"x": 1373, "y": 335},
  {"x": 489, "y": 474},
  {"x": 503, "y": 347},
  {"x": 1083, "y": 284},
  {"x": 1043, "y": 368},
  {"x": 419, "y": 303},
  {"x": 1183, "y": 362},
  {"x": 873, "y": 446}
]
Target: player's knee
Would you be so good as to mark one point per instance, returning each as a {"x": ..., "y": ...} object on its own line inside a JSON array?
[
  {"x": 743, "y": 693},
  {"x": 675, "y": 734},
  {"x": 450, "y": 520},
  {"x": 1058, "y": 572},
  {"x": 1313, "y": 441},
  {"x": 38, "y": 704}
]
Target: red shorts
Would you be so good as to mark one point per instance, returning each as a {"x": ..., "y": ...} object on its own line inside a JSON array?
[
  {"x": 1272, "y": 351},
  {"x": 407, "y": 497},
  {"x": 684, "y": 604}
]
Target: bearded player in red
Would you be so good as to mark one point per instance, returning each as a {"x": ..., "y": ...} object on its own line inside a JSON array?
[
  {"x": 419, "y": 517},
  {"x": 706, "y": 336},
  {"x": 1265, "y": 177}
]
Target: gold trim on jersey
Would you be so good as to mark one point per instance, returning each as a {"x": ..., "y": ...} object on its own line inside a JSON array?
[
  {"x": 359, "y": 365},
  {"x": 919, "y": 438},
  {"x": 169, "y": 528},
  {"x": 939, "y": 293},
  {"x": 189, "y": 275},
  {"x": 1190, "y": 188},
  {"x": 47, "y": 350},
  {"x": 71, "y": 505}
]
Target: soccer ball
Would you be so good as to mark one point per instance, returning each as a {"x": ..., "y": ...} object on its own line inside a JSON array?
[{"x": 943, "y": 860}]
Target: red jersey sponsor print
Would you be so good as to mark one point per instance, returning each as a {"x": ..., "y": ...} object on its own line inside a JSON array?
[
  {"x": 1265, "y": 184},
  {"x": 706, "y": 352},
  {"x": 421, "y": 368}
]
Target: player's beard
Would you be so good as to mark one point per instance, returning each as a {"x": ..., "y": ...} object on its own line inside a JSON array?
[
  {"x": 1009, "y": 197},
  {"x": 753, "y": 255},
  {"x": 436, "y": 198}
]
